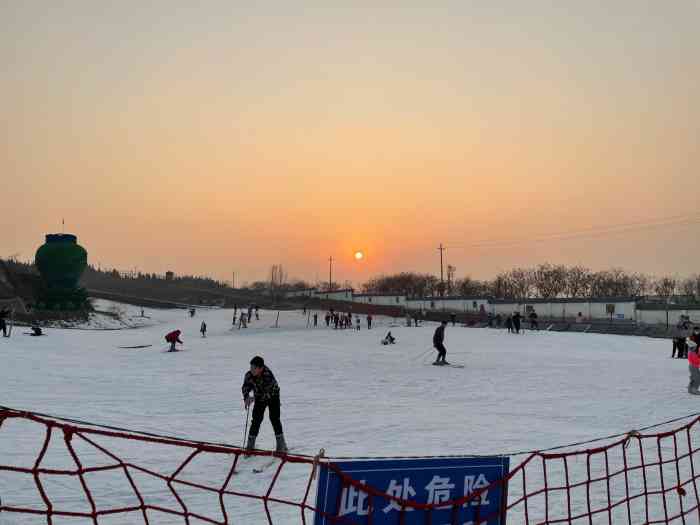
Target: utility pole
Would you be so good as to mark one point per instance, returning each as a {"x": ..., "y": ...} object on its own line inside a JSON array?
[
  {"x": 330, "y": 273},
  {"x": 233, "y": 280},
  {"x": 442, "y": 278}
]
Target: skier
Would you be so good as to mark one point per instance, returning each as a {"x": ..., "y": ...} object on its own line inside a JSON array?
[
  {"x": 680, "y": 348},
  {"x": 203, "y": 329},
  {"x": 172, "y": 338},
  {"x": 369, "y": 321},
  {"x": 438, "y": 339},
  {"x": 453, "y": 318},
  {"x": 315, "y": 319},
  {"x": 3, "y": 321},
  {"x": 328, "y": 319},
  {"x": 36, "y": 329},
  {"x": 516, "y": 322},
  {"x": 357, "y": 321},
  {"x": 243, "y": 321},
  {"x": 693, "y": 364},
  {"x": 509, "y": 323},
  {"x": 266, "y": 393},
  {"x": 533, "y": 321},
  {"x": 389, "y": 339},
  {"x": 257, "y": 313}
]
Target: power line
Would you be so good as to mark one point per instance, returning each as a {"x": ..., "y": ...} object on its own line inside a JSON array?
[{"x": 595, "y": 232}]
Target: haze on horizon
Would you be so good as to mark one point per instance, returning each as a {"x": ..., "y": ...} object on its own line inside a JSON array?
[{"x": 229, "y": 137}]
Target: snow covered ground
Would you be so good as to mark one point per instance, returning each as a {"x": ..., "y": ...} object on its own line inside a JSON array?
[{"x": 341, "y": 390}]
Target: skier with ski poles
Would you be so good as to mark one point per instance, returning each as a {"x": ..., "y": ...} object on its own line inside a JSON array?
[{"x": 266, "y": 394}]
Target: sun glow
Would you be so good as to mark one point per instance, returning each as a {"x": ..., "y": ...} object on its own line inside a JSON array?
[{"x": 359, "y": 256}]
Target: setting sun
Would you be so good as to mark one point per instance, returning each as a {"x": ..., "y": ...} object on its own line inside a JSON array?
[{"x": 359, "y": 256}]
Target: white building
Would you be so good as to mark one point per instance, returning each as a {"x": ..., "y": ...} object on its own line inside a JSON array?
[
  {"x": 335, "y": 295},
  {"x": 450, "y": 304},
  {"x": 379, "y": 298},
  {"x": 590, "y": 309}
]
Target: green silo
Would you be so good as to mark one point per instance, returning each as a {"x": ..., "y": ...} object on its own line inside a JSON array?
[{"x": 61, "y": 261}]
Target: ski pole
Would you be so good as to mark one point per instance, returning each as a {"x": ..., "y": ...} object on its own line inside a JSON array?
[
  {"x": 421, "y": 355},
  {"x": 245, "y": 432}
]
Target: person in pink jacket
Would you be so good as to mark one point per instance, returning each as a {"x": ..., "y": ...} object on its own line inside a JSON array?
[{"x": 693, "y": 366}]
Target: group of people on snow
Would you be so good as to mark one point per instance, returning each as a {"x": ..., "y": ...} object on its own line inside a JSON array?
[{"x": 342, "y": 321}]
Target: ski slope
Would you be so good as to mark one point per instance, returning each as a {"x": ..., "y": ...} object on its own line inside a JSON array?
[{"x": 341, "y": 390}]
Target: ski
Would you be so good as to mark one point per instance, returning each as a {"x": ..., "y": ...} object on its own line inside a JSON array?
[
  {"x": 449, "y": 366},
  {"x": 268, "y": 463}
]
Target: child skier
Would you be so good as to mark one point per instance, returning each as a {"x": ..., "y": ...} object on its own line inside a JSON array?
[{"x": 172, "y": 338}]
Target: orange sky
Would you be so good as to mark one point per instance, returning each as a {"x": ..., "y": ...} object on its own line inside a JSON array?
[{"x": 220, "y": 138}]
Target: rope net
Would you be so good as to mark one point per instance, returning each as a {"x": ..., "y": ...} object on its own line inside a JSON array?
[{"x": 56, "y": 472}]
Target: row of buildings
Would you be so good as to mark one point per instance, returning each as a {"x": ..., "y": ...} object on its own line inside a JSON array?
[{"x": 641, "y": 310}]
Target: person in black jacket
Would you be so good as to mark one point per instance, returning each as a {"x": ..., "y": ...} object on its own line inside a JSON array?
[
  {"x": 266, "y": 394},
  {"x": 4, "y": 313},
  {"x": 438, "y": 340},
  {"x": 516, "y": 322}
]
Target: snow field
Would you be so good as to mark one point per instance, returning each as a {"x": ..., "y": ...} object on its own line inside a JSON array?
[{"x": 341, "y": 390}]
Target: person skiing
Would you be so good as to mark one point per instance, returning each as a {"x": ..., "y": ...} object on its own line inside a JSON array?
[
  {"x": 172, "y": 338},
  {"x": 693, "y": 365},
  {"x": 533, "y": 321},
  {"x": 4, "y": 313},
  {"x": 203, "y": 329},
  {"x": 509, "y": 323},
  {"x": 315, "y": 319},
  {"x": 453, "y": 318},
  {"x": 36, "y": 329},
  {"x": 357, "y": 321},
  {"x": 389, "y": 339},
  {"x": 369, "y": 321},
  {"x": 438, "y": 340},
  {"x": 516, "y": 322},
  {"x": 266, "y": 394}
]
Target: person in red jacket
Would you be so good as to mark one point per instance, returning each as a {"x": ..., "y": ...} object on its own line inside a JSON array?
[
  {"x": 694, "y": 363},
  {"x": 172, "y": 338}
]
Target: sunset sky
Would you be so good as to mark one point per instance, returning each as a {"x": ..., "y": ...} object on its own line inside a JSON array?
[{"x": 218, "y": 136}]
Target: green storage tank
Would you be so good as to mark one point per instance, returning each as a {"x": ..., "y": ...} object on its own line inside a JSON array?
[{"x": 61, "y": 261}]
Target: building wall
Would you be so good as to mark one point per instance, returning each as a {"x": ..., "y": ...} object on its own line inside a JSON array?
[
  {"x": 570, "y": 309},
  {"x": 674, "y": 316},
  {"x": 336, "y": 295},
  {"x": 450, "y": 304},
  {"x": 387, "y": 300}
]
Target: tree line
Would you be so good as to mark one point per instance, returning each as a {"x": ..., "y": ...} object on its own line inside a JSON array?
[{"x": 545, "y": 281}]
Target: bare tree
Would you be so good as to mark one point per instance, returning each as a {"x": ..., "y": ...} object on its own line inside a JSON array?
[
  {"x": 665, "y": 287},
  {"x": 468, "y": 286},
  {"x": 549, "y": 280},
  {"x": 278, "y": 277},
  {"x": 521, "y": 282},
  {"x": 450, "y": 278},
  {"x": 578, "y": 281},
  {"x": 691, "y": 286}
]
